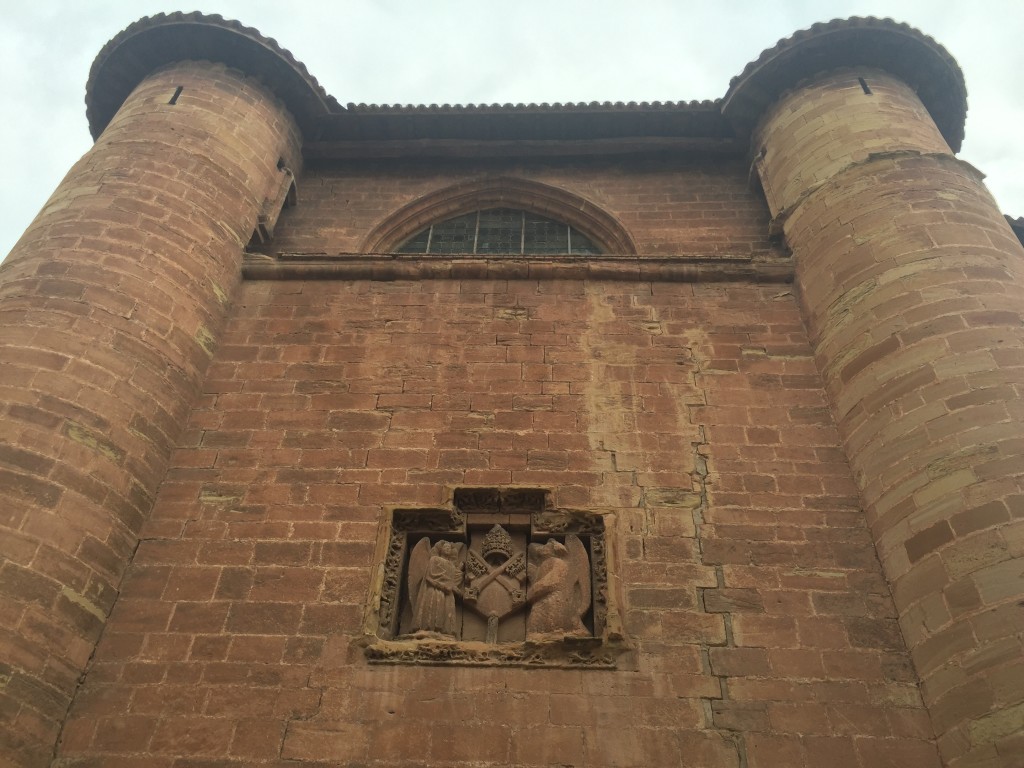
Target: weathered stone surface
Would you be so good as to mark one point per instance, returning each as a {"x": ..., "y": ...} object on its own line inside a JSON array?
[
  {"x": 111, "y": 305},
  {"x": 481, "y": 582},
  {"x": 331, "y": 443},
  {"x": 914, "y": 309}
]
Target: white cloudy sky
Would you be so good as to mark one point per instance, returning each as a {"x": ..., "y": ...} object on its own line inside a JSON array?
[{"x": 473, "y": 51}]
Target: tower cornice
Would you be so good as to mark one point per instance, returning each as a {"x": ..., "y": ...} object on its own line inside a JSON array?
[
  {"x": 884, "y": 44},
  {"x": 155, "y": 41}
]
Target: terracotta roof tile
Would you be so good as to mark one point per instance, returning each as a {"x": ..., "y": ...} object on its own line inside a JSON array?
[
  {"x": 592, "y": 106},
  {"x": 887, "y": 44},
  {"x": 156, "y": 40}
]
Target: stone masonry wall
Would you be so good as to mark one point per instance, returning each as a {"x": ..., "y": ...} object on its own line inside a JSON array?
[
  {"x": 109, "y": 308},
  {"x": 670, "y": 205},
  {"x": 691, "y": 415},
  {"x": 913, "y": 286}
]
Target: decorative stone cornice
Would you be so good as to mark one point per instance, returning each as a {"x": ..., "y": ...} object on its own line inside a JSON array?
[
  {"x": 156, "y": 41},
  {"x": 365, "y": 266},
  {"x": 164, "y": 38},
  {"x": 885, "y": 44}
]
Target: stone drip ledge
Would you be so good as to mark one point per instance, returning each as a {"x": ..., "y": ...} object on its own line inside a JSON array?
[
  {"x": 556, "y": 652},
  {"x": 776, "y": 227},
  {"x": 670, "y": 269}
]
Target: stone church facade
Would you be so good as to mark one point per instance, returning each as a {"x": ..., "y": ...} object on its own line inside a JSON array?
[{"x": 677, "y": 434}]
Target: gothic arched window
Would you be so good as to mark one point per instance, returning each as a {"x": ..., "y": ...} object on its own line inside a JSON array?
[{"x": 500, "y": 231}]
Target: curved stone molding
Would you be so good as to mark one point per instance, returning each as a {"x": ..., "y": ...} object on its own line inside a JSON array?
[{"x": 504, "y": 192}]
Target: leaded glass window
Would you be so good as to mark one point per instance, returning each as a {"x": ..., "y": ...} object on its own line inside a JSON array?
[{"x": 500, "y": 231}]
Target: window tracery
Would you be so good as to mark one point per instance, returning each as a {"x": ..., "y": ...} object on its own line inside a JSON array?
[{"x": 496, "y": 231}]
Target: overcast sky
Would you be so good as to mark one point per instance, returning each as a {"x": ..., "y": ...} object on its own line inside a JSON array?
[{"x": 485, "y": 51}]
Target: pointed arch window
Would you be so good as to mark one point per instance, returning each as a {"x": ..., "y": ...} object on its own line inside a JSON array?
[{"x": 500, "y": 231}]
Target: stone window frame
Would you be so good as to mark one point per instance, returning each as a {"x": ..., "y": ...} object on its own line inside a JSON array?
[
  {"x": 424, "y": 241},
  {"x": 607, "y": 648},
  {"x": 604, "y": 230}
]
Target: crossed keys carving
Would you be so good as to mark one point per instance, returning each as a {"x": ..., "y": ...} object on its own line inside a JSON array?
[
  {"x": 495, "y": 589},
  {"x": 482, "y": 573}
]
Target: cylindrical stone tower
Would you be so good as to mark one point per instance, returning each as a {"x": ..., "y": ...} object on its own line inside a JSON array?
[
  {"x": 912, "y": 285},
  {"x": 110, "y": 306}
]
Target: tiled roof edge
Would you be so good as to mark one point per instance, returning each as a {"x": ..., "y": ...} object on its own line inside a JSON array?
[
  {"x": 859, "y": 41},
  {"x": 124, "y": 61},
  {"x": 591, "y": 106},
  {"x": 160, "y": 39}
]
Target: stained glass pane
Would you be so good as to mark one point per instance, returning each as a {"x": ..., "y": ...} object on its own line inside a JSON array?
[
  {"x": 417, "y": 244},
  {"x": 501, "y": 231},
  {"x": 545, "y": 236},
  {"x": 455, "y": 235},
  {"x": 583, "y": 244}
]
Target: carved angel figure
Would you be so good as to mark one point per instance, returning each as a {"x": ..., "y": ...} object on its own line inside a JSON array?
[
  {"x": 559, "y": 588},
  {"x": 434, "y": 578}
]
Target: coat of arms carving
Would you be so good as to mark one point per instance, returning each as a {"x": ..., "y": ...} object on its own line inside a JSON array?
[{"x": 497, "y": 578}]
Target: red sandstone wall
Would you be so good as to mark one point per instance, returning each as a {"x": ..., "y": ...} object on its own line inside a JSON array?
[
  {"x": 109, "y": 308},
  {"x": 669, "y": 205},
  {"x": 913, "y": 289},
  {"x": 693, "y": 414}
]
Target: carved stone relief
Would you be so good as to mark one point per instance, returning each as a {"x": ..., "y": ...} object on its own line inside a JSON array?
[
  {"x": 559, "y": 588},
  {"x": 500, "y": 578},
  {"x": 434, "y": 578}
]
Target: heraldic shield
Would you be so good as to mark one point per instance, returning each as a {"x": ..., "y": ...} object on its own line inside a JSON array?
[{"x": 489, "y": 578}]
